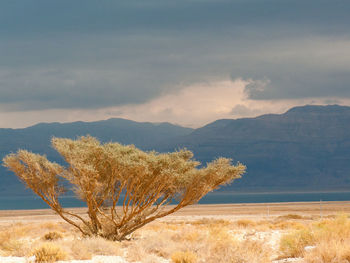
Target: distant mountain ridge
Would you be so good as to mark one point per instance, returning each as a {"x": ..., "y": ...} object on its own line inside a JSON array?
[
  {"x": 37, "y": 139},
  {"x": 306, "y": 148}
]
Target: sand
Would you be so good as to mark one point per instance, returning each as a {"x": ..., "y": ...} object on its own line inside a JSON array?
[
  {"x": 226, "y": 211},
  {"x": 232, "y": 212}
]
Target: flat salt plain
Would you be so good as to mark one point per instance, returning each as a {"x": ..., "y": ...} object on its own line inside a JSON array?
[{"x": 229, "y": 212}]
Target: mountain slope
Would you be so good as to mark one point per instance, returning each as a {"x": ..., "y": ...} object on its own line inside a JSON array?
[
  {"x": 305, "y": 148},
  {"x": 37, "y": 139}
]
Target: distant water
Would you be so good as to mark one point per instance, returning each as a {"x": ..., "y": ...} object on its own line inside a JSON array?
[
  {"x": 21, "y": 202},
  {"x": 224, "y": 198}
]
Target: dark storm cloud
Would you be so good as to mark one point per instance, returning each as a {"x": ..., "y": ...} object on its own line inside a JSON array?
[{"x": 92, "y": 54}]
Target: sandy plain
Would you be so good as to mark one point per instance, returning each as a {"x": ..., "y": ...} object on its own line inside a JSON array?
[
  {"x": 224, "y": 211},
  {"x": 257, "y": 212}
]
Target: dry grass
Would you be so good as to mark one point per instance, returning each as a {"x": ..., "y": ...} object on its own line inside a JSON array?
[
  {"x": 246, "y": 223},
  {"x": 48, "y": 252},
  {"x": 332, "y": 241},
  {"x": 51, "y": 236},
  {"x": 293, "y": 244},
  {"x": 329, "y": 240},
  {"x": 210, "y": 240},
  {"x": 290, "y": 216},
  {"x": 97, "y": 246},
  {"x": 288, "y": 225},
  {"x": 329, "y": 252},
  {"x": 184, "y": 257}
]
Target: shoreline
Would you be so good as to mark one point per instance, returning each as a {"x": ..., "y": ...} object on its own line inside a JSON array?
[{"x": 226, "y": 211}]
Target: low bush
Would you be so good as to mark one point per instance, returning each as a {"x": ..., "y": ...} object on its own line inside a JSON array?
[
  {"x": 245, "y": 223},
  {"x": 329, "y": 252},
  {"x": 51, "y": 236},
  {"x": 293, "y": 244},
  {"x": 48, "y": 253},
  {"x": 184, "y": 257},
  {"x": 290, "y": 216}
]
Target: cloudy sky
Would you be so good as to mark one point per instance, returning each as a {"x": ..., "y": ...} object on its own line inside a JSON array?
[{"x": 183, "y": 61}]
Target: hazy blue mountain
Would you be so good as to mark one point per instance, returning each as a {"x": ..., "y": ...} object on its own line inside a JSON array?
[
  {"x": 305, "y": 148},
  {"x": 37, "y": 139}
]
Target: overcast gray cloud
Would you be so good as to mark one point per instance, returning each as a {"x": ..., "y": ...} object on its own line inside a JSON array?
[{"x": 87, "y": 54}]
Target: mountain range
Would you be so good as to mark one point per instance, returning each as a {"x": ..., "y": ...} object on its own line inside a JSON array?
[{"x": 306, "y": 148}]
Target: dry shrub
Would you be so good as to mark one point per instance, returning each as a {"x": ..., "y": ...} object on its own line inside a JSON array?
[
  {"x": 329, "y": 229},
  {"x": 11, "y": 243},
  {"x": 184, "y": 257},
  {"x": 48, "y": 252},
  {"x": 331, "y": 238},
  {"x": 17, "y": 239},
  {"x": 335, "y": 251},
  {"x": 332, "y": 241},
  {"x": 245, "y": 223},
  {"x": 14, "y": 248},
  {"x": 293, "y": 244},
  {"x": 290, "y": 216},
  {"x": 51, "y": 236}
]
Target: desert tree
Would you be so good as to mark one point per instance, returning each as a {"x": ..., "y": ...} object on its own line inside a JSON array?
[{"x": 123, "y": 187}]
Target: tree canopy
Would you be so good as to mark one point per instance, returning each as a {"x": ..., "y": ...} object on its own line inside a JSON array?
[{"x": 124, "y": 187}]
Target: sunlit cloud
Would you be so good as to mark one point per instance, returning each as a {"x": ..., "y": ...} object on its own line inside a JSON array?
[{"x": 192, "y": 106}]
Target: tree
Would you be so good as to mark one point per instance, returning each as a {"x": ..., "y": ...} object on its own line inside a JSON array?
[{"x": 124, "y": 188}]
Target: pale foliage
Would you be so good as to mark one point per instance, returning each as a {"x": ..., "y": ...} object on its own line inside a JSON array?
[{"x": 111, "y": 174}]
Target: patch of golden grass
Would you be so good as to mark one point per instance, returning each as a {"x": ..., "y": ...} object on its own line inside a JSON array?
[
  {"x": 51, "y": 236},
  {"x": 218, "y": 234},
  {"x": 211, "y": 222},
  {"x": 290, "y": 216},
  {"x": 11, "y": 240},
  {"x": 330, "y": 238},
  {"x": 184, "y": 257},
  {"x": 155, "y": 226},
  {"x": 161, "y": 243},
  {"x": 247, "y": 251},
  {"x": 332, "y": 241},
  {"x": 48, "y": 252},
  {"x": 245, "y": 223},
  {"x": 287, "y": 225},
  {"x": 330, "y": 251},
  {"x": 293, "y": 244},
  {"x": 338, "y": 228},
  {"x": 211, "y": 241}
]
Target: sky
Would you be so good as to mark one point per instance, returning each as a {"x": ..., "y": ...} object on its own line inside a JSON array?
[{"x": 187, "y": 62}]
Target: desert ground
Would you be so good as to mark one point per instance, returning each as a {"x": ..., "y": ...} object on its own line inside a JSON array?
[{"x": 305, "y": 232}]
